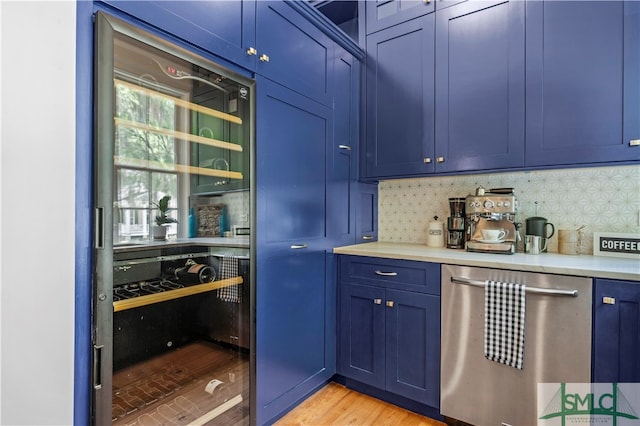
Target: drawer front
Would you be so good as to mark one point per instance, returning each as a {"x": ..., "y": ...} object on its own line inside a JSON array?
[{"x": 409, "y": 275}]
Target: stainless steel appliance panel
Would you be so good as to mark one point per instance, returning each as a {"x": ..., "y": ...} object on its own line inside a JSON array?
[{"x": 557, "y": 346}]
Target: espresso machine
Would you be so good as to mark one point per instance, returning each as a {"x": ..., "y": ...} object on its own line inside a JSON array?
[
  {"x": 456, "y": 224},
  {"x": 491, "y": 225}
]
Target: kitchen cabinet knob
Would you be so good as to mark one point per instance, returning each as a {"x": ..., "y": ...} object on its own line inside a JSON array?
[
  {"x": 389, "y": 303},
  {"x": 264, "y": 58},
  {"x": 345, "y": 147},
  {"x": 367, "y": 237},
  {"x": 386, "y": 274},
  {"x": 440, "y": 159},
  {"x": 252, "y": 51},
  {"x": 634, "y": 142},
  {"x": 609, "y": 300},
  {"x": 427, "y": 160},
  {"x": 377, "y": 301},
  {"x": 298, "y": 246}
]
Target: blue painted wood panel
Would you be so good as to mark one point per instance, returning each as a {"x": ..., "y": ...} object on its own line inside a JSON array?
[
  {"x": 480, "y": 86},
  {"x": 616, "y": 333},
  {"x": 583, "y": 74}
]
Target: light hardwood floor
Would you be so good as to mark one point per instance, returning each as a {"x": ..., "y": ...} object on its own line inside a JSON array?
[{"x": 335, "y": 405}]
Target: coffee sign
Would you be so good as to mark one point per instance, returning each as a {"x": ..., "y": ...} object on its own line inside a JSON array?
[{"x": 616, "y": 244}]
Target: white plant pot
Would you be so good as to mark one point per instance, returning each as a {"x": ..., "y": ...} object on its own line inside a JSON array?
[{"x": 159, "y": 232}]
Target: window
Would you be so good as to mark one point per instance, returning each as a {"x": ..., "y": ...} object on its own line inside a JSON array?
[{"x": 144, "y": 155}]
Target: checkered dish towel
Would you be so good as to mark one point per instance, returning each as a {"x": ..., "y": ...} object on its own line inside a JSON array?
[
  {"x": 504, "y": 309},
  {"x": 229, "y": 269}
]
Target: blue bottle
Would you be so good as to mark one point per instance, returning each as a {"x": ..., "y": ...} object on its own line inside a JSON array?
[
  {"x": 223, "y": 220},
  {"x": 192, "y": 224}
]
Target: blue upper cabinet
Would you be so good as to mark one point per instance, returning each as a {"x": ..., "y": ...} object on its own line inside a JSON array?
[
  {"x": 381, "y": 14},
  {"x": 292, "y": 51},
  {"x": 224, "y": 28},
  {"x": 583, "y": 82},
  {"x": 480, "y": 86},
  {"x": 400, "y": 100}
]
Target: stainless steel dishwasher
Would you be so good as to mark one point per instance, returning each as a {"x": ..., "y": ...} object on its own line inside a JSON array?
[{"x": 557, "y": 345}]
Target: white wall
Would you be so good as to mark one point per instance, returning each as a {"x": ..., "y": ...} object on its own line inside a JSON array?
[{"x": 37, "y": 211}]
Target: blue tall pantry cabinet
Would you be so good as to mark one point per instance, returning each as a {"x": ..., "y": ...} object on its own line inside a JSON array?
[{"x": 293, "y": 350}]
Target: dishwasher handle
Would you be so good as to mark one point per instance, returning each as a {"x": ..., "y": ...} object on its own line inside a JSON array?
[{"x": 532, "y": 290}]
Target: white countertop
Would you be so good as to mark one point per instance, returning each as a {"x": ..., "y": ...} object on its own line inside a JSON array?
[{"x": 551, "y": 263}]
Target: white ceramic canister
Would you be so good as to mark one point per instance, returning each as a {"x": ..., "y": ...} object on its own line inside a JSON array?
[{"x": 435, "y": 233}]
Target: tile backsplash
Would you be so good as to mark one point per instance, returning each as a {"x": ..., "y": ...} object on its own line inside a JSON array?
[{"x": 603, "y": 199}]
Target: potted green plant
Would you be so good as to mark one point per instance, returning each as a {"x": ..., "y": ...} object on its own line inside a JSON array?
[{"x": 162, "y": 219}]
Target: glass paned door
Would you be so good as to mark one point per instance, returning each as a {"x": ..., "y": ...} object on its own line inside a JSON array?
[{"x": 172, "y": 292}]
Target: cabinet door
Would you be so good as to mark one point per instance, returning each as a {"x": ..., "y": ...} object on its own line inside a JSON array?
[
  {"x": 583, "y": 82},
  {"x": 295, "y": 332},
  {"x": 616, "y": 333},
  {"x": 292, "y": 51},
  {"x": 362, "y": 334},
  {"x": 343, "y": 153},
  {"x": 400, "y": 100},
  {"x": 413, "y": 346},
  {"x": 366, "y": 212},
  {"x": 226, "y": 28},
  {"x": 480, "y": 86},
  {"x": 382, "y": 14}
]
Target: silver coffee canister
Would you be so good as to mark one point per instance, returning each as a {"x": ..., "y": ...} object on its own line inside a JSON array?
[{"x": 534, "y": 244}]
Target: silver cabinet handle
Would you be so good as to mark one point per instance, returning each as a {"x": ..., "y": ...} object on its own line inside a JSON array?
[
  {"x": 264, "y": 58},
  {"x": 386, "y": 274},
  {"x": 367, "y": 237},
  {"x": 440, "y": 159},
  {"x": 377, "y": 301},
  {"x": 609, "y": 300},
  {"x": 252, "y": 51},
  {"x": 427, "y": 160},
  {"x": 298, "y": 246},
  {"x": 634, "y": 142},
  {"x": 389, "y": 303},
  {"x": 345, "y": 147}
]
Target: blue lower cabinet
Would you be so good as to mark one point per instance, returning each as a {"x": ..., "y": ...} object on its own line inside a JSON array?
[
  {"x": 389, "y": 338},
  {"x": 616, "y": 331}
]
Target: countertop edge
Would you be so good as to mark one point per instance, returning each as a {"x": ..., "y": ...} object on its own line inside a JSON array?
[{"x": 550, "y": 263}]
